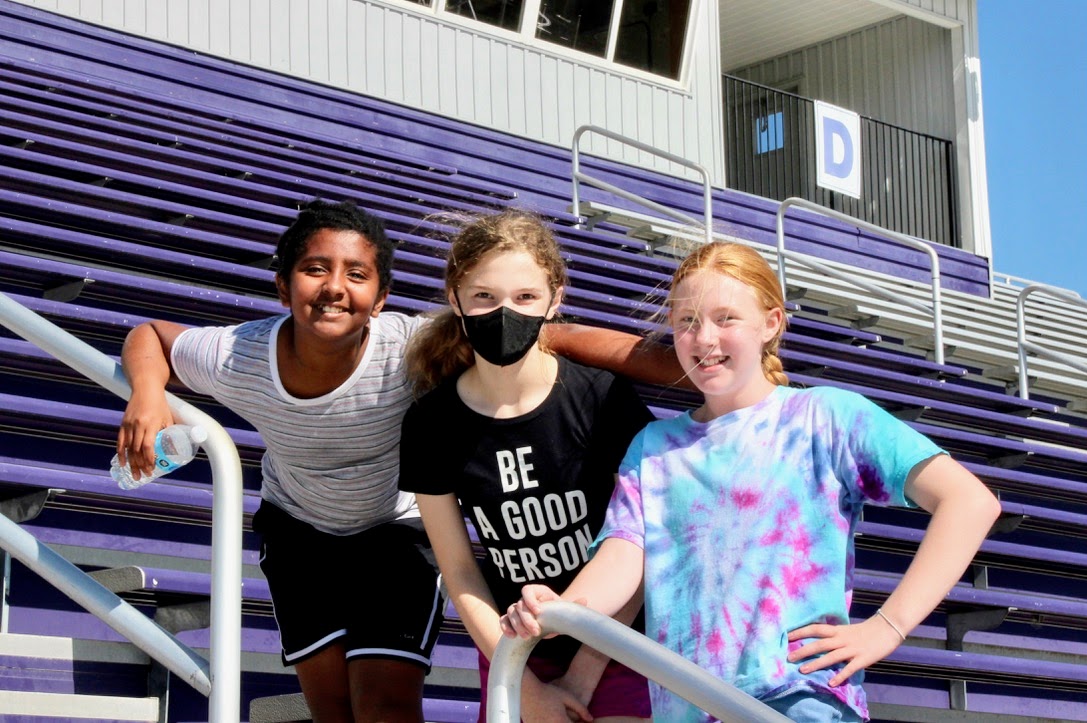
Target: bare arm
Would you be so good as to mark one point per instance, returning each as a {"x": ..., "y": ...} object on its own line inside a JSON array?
[
  {"x": 587, "y": 666},
  {"x": 145, "y": 360},
  {"x": 448, "y": 535},
  {"x": 453, "y": 550},
  {"x": 607, "y": 584},
  {"x": 963, "y": 511},
  {"x": 631, "y": 355}
]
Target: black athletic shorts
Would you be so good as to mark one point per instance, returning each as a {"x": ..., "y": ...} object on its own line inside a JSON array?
[{"x": 377, "y": 592}]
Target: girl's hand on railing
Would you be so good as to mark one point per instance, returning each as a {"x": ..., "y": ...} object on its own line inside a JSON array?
[
  {"x": 859, "y": 646},
  {"x": 147, "y": 414},
  {"x": 520, "y": 618}
]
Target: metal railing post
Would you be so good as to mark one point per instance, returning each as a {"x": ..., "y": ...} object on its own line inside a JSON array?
[
  {"x": 177, "y": 657},
  {"x": 577, "y": 176},
  {"x": 679, "y": 675},
  {"x": 936, "y": 309},
  {"x": 1021, "y": 333},
  {"x": 226, "y": 567}
]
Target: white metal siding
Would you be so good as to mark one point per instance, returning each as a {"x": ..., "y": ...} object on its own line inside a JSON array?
[
  {"x": 412, "y": 58},
  {"x": 954, "y": 10},
  {"x": 899, "y": 71}
]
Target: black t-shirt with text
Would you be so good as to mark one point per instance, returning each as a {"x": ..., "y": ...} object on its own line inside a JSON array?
[{"x": 536, "y": 486}]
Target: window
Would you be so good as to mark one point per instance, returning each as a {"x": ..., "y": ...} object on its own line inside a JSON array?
[
  {"x": 576, "y": 24},
  {"x": 644, "y": 34},
  {"x": 769, "y": 133},
  {"x": 651, "y": 35},
  {"x": 502, "y": 13}
]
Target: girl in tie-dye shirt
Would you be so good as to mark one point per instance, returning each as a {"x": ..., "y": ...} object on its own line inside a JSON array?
[{"x": 740, "y": 514}]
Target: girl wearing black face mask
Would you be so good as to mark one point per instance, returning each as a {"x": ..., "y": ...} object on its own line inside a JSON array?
[{"x": 526, "y": 445}]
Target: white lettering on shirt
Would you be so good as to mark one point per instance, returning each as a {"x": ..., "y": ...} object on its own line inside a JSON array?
[
  {"x": 526, "y": 564},
  {"x": 486, "y": 529}
]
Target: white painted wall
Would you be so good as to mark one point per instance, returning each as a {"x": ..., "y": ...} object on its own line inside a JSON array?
[
  {"x": 449, "y": 67},
  {"x": 937, "y": 11},
  {"x": 960, "y": 17}
]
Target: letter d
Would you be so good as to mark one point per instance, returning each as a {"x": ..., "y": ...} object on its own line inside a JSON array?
[{"x": 835, "y": 129}]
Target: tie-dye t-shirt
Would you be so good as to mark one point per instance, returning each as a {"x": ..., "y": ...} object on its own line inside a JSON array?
[{"x": 747, "y": 525}]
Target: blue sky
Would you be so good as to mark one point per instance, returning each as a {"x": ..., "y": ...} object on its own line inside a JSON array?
[{"x": 1034, "y": 97}]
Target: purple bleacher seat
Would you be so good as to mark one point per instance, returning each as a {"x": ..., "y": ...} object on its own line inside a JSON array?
[
  {"x": 262, "y": 222},
  {"x": 86, "y": 422},
  {"x": 194, "y": 553},
  {"x": 167, "y": 123},
  {"x": 1056, "y": 561},
  {"x": 139, "y": 257},
  {"x": 184, "y": 151},
  {"x": 142, "y": 292},
  {"x": 932, "y": 409},
  {"x": 38, "y": 675},
  {"x": 175, "y": 496},
  {"x": 76, "y": 214},
  {"x": 133, "y": 578},
  {"x": 1055, "y": 610},
  {"x": 541, "y": 169},
  {"x": 929, "y": 388},
  {"x": 981, "y": 666},
  {"x": 1004, "y": 451},
  {"x": 1031, "y": 484},
  {"x": 206, "y": 191}
]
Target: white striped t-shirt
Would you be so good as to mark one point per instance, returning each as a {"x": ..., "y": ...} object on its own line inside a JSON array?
[{"x": 331, "y": 461}]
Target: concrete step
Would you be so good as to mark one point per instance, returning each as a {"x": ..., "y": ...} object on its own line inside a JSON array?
[
  {"x": 36, "y": 706},
  {"x": 292, "y": 708}
]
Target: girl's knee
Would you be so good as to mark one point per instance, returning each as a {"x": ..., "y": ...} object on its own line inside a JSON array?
[{"x": 386, "y": 690}]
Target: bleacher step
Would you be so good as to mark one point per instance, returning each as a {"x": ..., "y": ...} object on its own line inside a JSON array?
[
  {"x": 920, "y": 714},
  {"x": 292, "y": 708},
  {"x": 49, "y": 647},
  {"x": 71, "y": 706},
  {"x": 54, "y": 666}
]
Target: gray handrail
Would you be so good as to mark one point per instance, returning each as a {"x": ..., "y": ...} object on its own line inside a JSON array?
[
  {"x": 221, "y": 682},
  {"x": 679, "y": 675},
  {"x": 936, "y": 308},
  {"x": 1025, "y": 346},
  {"x": 177, "y": 657},
  {"x": 578, "y": 177}
]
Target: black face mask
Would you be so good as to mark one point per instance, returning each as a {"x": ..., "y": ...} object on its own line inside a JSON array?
[{"x": 502, "y": 336}]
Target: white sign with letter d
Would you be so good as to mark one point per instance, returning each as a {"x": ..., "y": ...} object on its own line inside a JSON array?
[{"x": 838, "y": 149}]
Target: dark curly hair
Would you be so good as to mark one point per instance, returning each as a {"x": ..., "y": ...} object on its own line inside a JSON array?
[{"x": 344, "y": 216}]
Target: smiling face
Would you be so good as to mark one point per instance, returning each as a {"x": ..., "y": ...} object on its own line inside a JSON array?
[
  {"x": 720, "y": 329},
  {"x": 333, "y": 289}
]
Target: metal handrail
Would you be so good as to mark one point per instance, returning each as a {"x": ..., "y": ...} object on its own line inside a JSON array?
[
  {"x": 634, "y": 650},
  {"x": 936, "y": 309},
  {"x": 1027, "y": 346},
  {"x": 577, "y": 176},
  {"x": 221, "y": 681}
]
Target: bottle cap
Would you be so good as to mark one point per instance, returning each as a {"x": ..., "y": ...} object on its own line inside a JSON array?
[{"x": 198, "y": 435}]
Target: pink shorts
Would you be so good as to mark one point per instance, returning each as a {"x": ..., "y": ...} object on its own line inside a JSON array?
[{"x": 620, "y": 692}]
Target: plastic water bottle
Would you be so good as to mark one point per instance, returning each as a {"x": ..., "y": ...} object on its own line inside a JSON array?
[{"x": 174, "y": 446}]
